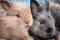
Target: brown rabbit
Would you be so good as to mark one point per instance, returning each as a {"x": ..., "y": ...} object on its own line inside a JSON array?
[{"x": 13, "y": 27}]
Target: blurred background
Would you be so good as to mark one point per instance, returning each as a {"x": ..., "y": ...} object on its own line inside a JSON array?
[
  {"x": 22, "y": 1},
  {"x": 28, "y": 1}
]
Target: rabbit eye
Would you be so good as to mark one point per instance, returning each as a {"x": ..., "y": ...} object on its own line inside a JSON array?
[
  {"x": 42, "y": 22},
  {"x": 17, "y": 15}
]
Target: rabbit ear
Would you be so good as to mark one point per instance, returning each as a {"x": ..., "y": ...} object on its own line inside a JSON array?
[
  {"x": 5, "y": 5},
  {"x": 47, "y": 5},
  {"x": 35, "y": 6}
]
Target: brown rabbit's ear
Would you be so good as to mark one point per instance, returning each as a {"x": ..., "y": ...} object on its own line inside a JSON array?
[{"x": 5, "y": 5}]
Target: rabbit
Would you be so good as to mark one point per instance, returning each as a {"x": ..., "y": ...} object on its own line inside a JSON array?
[
  {"x": 43, "y": 26},
  {"x": 13, "y": 27}
]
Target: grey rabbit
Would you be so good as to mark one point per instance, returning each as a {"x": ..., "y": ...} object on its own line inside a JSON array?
[{"x": 43, "y": 26}]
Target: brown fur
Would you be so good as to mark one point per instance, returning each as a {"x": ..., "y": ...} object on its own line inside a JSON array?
[
  {"x": 2, "y": 12},
  {"x": 13, "y": 27},
  {"x": 58, "y": 37}
]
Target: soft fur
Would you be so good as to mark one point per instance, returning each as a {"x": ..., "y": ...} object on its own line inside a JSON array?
[
  {"x": 43, "y": 22},
  {"x": 13, "y": 27}
]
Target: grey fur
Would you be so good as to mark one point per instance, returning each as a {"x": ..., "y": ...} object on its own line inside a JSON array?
[
  {"x": 43, "y": 21},
  {"x": 56, "y": 15}
]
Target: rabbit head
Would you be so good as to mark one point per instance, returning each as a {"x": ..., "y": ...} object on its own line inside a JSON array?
[{"x": 43, "y": 22}]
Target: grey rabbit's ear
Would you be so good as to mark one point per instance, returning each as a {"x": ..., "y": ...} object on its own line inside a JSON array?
[
  {"x": 5, "y": 5},
  {"x": 35, "y": 6},
  {"x": 47, "y": 5}
]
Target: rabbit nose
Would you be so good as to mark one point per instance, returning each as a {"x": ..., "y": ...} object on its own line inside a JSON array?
[{"x": 49, "y": 30}]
